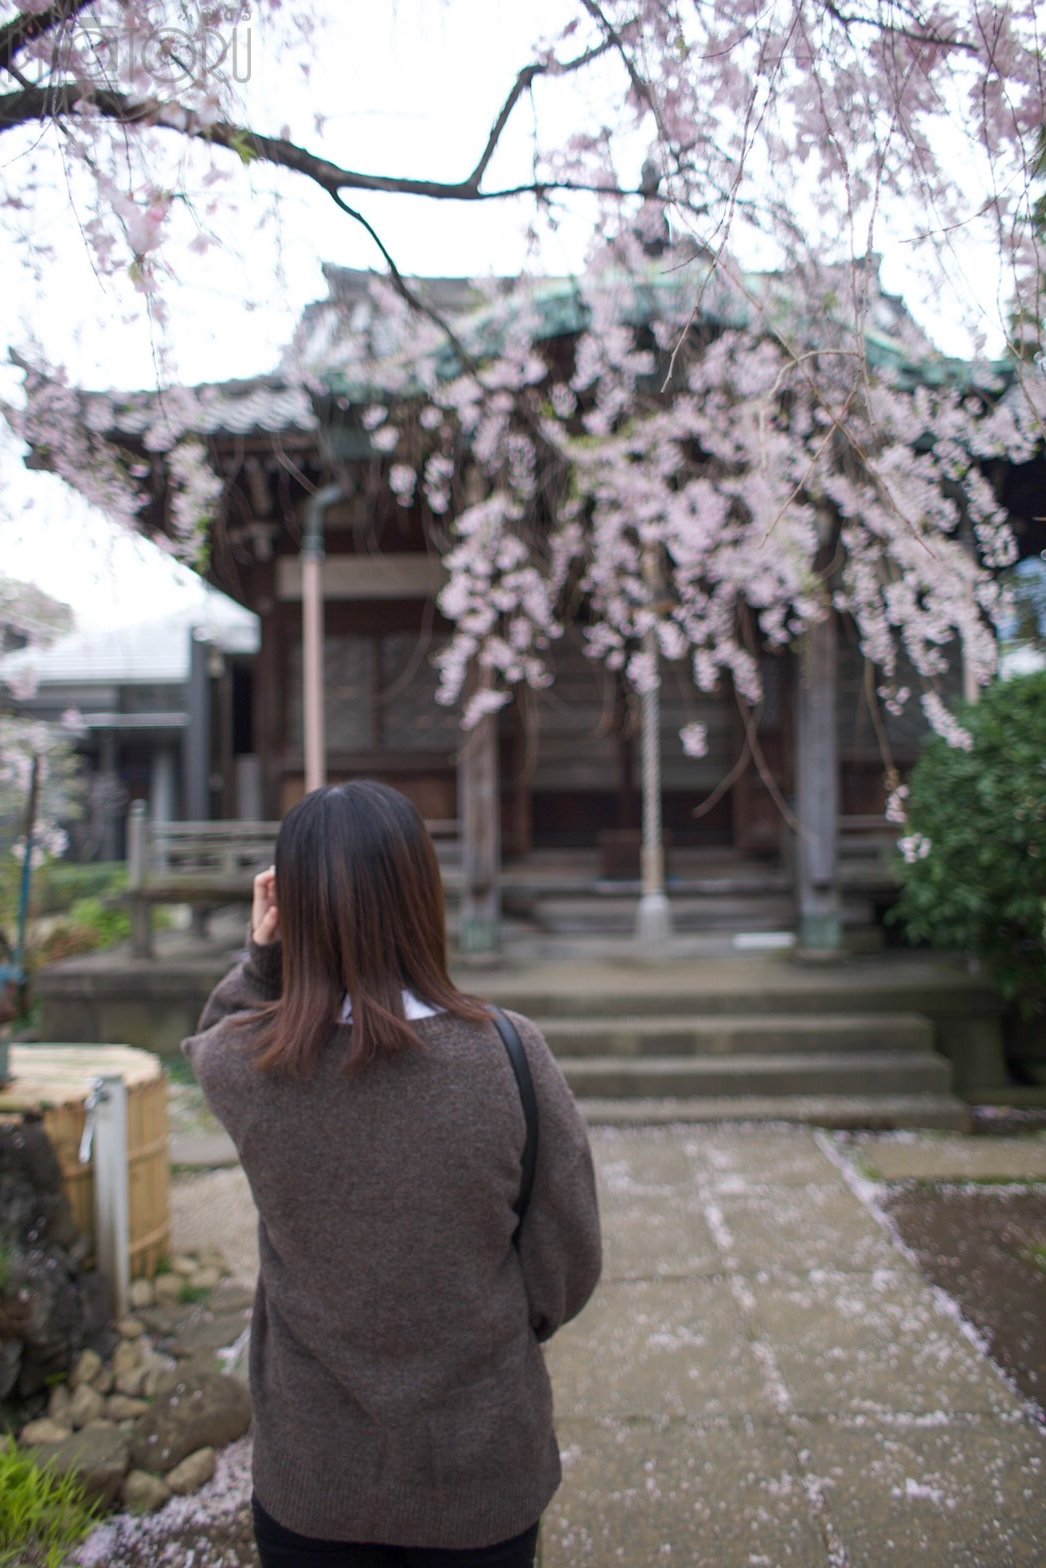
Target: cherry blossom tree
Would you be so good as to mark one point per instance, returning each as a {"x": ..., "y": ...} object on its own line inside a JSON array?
[
  {"x": 728, "y": 451},
  {"x": 30, "y": 619}
]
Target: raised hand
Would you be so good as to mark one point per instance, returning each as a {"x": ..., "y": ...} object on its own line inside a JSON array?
[{"x": 265, "y": 917}]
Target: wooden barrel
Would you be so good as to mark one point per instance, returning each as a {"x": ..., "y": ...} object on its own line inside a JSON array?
[{"x": 55, "y": 1080}]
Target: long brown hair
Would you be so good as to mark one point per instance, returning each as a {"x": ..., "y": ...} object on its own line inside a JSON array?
[{"x": 360, "y": 902}]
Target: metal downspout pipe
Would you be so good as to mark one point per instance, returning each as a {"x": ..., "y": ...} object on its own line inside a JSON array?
[{"x": 312, "y": 555}]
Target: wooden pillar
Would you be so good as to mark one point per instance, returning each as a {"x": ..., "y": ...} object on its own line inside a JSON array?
[
  {"x": 137, "y": 874},
  {"x": 112, "y": 793},
  {"x": 479, "y": 812},
  {"x": 269, "y": 720},
  {"x": 817, "y": 789},
  {"x": 197, "y": 755},
  {"x": 225, "y": 743}
]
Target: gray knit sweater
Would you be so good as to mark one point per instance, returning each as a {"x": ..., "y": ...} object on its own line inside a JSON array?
[{"x": 399, "y": 1391}]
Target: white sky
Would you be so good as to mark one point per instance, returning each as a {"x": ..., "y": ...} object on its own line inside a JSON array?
[{"x": 407, "y": 86}]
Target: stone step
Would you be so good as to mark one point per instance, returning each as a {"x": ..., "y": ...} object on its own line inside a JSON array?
[
  {"x": 866, "y": 1073},
  {"x": 728, "y": 987},
  {"x": 570, "y": 916},
  {"x": 739, "y": 1034},
  {"x": 883, "y": 1112}
]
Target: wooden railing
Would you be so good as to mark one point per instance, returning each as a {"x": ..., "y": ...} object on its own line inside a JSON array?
[{"x": 210, "y": 864}]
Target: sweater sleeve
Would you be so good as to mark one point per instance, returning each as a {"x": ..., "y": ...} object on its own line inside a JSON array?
[
  {"x": 216, "y": 1052},
  {"x": 560, "y": 1244},
  {"x": 254, "y": 982}
]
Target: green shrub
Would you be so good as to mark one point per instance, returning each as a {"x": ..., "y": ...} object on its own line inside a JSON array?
[
  {"x": 974, "y": 873},
  {"x": 111, "y": 922},
  {"x": 42, "y": 1516},
  {"x": 61, "y": 883},
  {"x": 58, "y": 884}
]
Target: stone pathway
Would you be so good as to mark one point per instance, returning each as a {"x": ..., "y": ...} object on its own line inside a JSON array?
[{"x": 764, "y": 1379}]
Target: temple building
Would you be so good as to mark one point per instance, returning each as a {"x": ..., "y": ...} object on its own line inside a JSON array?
[{"x": 546, "y": 793}]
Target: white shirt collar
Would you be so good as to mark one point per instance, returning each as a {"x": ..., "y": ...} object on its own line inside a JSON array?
[{"x": 413, "y": 1008}]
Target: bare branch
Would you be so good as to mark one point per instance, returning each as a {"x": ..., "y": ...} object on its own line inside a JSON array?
[
  {"x": 614, "y": 38},
  {"x": 519, "y": 87},
  {"x": 884, "y": 26},
  {"x": 22, "y": 29},
  {"x": 404, "y": 289},
  {"x": 68, "y": 99}
]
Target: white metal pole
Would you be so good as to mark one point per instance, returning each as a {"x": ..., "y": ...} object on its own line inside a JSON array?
[
  {"x": 654, "y": 916},
  {"x": 112, "y": 1208}
]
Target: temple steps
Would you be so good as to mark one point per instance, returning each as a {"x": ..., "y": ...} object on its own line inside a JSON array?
[
  {"x": 889, "y": 1112},
  {"x": 713, "y": 1038},
  {"x": 778, "y": 1041},
  {"x": 758, "y": 1073}
]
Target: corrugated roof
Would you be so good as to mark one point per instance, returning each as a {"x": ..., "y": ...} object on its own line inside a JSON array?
[{"x": 154, "y": 652}]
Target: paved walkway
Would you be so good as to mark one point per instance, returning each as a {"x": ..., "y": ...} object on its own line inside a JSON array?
[{"x": 764, "y": 1378}]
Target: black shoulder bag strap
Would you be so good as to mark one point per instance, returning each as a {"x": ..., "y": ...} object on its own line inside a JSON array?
[{"x": 518, "y": 1057}]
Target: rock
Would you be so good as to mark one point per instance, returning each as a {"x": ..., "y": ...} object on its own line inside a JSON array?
[
  {"x": 97, "y": 1456},
  {"x": 211, "y": 1258},
  {"x": 58, "y": 1403},
  {"x": 168, "y": 1288},
  {"x": 229, "y": 1297},
  {"x": 87, "y": 1367},
  {"x": 203, "y": 1411},
  {"x": 212, "y": 1331},
  {"x": 44, "y": 1430},
  {"x": 10, "y": 1364},
  {"x": 104, "y": 1381},
  {"x": 127, "y": 1357},
  {"x": 96, "y": 1301},
  {"x": 51, "y": 1333},
  {"x": 193, "y": 1367},
  {"x": 26, "y": 1153},
  {"x": 204, "y": 1279},
  {"x": 141, "y": 1294},
  {"x": 184, "y": 1265},
  {"x": 129, "y": 1328},
  {"x": 157, "y": 1368},
  {"x": 131, "y": 1383},
  {"x": 85, "y": 1405},
  {"x": 194, "y": 1471},
  {"x": 143, "y": 1493},
  {"x": 121, "y": 1407},
  {"x": 165, "y": 1318},
  {"x": 59, "y": 1225}
]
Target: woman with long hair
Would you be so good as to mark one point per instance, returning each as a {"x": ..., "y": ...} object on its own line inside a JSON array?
[{"x": 402, "y": 1410}]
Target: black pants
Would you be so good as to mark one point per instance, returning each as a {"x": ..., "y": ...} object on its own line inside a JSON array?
[{"x": 282, "y": 1548}]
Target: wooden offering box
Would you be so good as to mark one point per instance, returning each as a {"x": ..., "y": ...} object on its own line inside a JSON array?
[{"x": 55, "y": 1080}]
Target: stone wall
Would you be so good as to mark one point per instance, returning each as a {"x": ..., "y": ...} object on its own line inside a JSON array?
[{"x": 50, "y": 1306}]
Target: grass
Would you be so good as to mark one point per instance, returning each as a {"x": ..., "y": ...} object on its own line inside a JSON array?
[
  {"x": 865, "y": 1168},
  {"x": 42, "y": 1515},
  {"x": 190, "y": 1294}
]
